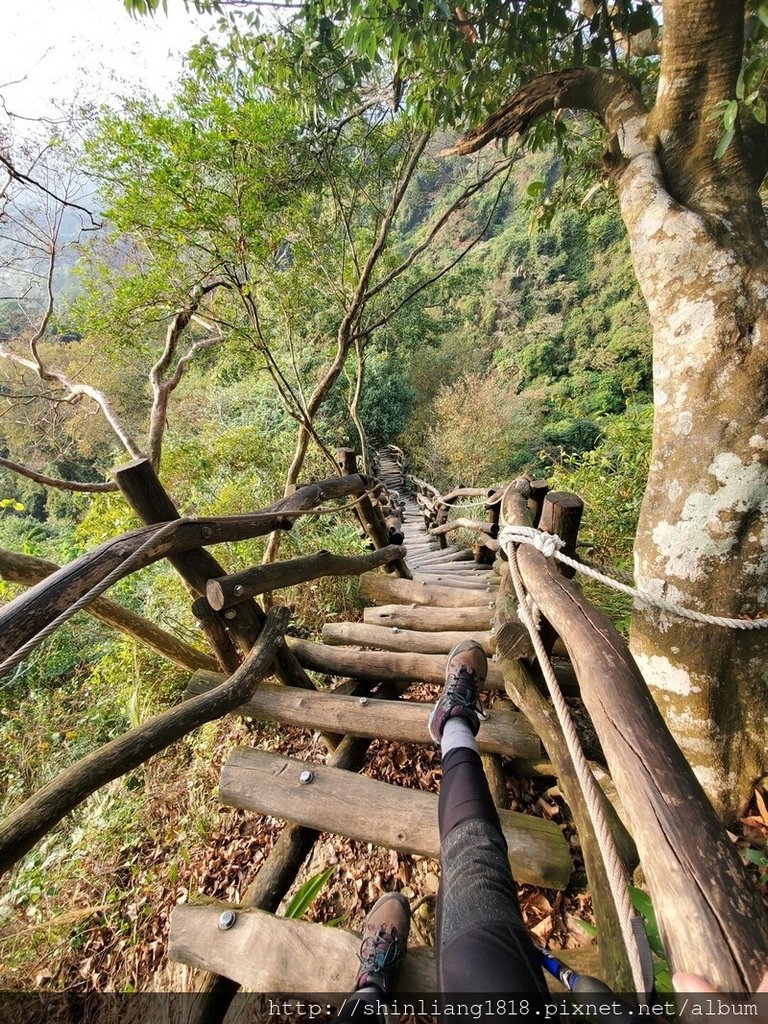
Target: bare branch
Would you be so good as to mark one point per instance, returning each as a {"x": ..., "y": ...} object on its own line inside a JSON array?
[
  {"x": 50, "y": 481},
  {"x": 14, "y": 174},
  {"x": 75, "y": 393},
  {"x": 162, "y": 388}
]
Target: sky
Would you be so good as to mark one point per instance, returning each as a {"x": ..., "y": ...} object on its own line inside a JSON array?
[{"x": 90, "y": 49}]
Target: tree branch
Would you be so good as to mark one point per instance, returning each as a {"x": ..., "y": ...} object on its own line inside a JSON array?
[
  {"x": 162, "y": 388},
  {"x": 609, "y": 95},
  {"x": 50, "y": 481}
]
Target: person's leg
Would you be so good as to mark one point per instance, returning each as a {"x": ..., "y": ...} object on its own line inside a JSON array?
[
  {"x": 382, "y": 951},
  {"x": 482, "y": 944}
]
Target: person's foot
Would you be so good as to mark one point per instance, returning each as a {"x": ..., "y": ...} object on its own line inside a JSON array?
[
  {"x": 465, "y": 674},
  {"x": 385, "y": 940}
]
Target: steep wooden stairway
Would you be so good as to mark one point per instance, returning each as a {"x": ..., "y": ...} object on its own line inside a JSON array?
[{"x": 408, "y": 629}]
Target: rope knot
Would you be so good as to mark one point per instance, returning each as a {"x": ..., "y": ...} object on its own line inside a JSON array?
[{"x": 547, "y": 543}]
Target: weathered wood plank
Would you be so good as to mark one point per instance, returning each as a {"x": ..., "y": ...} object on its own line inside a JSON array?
[
  {"x": 379, "y": 666},
  {"x": 504, "y": 732},
  {"x": 377, "y": 812},
  {"x": 426, "y": 619},
  {"x": 382, "y": 590},
  {"x": 265, "y": 953},
  {"x": 401, "y": 640}
]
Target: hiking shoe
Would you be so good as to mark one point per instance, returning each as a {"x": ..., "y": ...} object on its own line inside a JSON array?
[
  {"x": 385, "y": 940},
  {"x": 465, "y": 674}
]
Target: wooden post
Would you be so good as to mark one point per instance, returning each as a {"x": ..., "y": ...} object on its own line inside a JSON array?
[
  {"x": 148, "y": 498},
  {"x": 346, "y": 460},
  {"x": 219, "y": 639},
  {"x": 378, "y": 533},
  {"x": 538, "y": 491},
  {"x": 150, "y": 501},
  {"x": 561, "y": 514}
]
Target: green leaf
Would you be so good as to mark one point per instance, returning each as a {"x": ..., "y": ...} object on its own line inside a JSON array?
[
  {"x": 759, "y": 110},
  {"x": 730, "y": 115},
  {"x": 306, "y": 894},
  {"x": 762, "y": 13},
  {"x": 724, "y": 144},
  {"x": 740, "y": 88},
  {"x": 535, "y": 189},
  {"x": 641, "y": 901}
]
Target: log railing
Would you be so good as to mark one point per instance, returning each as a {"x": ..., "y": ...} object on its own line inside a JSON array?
[
  {"x": 709, "y": 910},
  {"x": 237, "y": 628}
]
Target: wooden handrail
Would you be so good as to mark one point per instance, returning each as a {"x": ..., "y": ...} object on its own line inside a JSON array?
[{"x": 708, "y": 909}]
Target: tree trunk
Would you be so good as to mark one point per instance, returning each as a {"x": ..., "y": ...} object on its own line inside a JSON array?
[{"x": 703, "y": 531}]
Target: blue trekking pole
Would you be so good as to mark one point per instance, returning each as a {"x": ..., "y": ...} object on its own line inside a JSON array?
[{"x": 585, "y": 985}]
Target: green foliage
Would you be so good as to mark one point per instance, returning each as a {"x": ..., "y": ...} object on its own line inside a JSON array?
[
  {"x": 611, "y": 480},
  {"x": 641, "y": 901},
  {"x": 388, "y": 399},
  {"x": 302, "y": 900}
]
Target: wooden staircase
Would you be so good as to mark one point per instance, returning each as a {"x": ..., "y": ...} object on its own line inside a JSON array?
[{"x": 406, "y": 634}]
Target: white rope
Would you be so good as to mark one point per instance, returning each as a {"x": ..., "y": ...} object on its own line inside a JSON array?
[
  {"x": 551, "y": 546},
  {"x": 634, "y": 938}
]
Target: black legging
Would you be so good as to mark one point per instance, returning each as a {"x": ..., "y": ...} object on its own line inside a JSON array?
[{"x": 482, "y": 944}]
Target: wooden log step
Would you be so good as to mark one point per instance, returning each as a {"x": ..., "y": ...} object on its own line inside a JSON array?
[
  {"x": 379, "y": 666},
  {"x": 440, "y": 564},
  {"x": 381, "y": 589},
  {"x": 504, "y": 731},
  {"x": 410, "y": 641},
  {"x": 451, "y": 555},
  {"x": 266, "y": 953},
  {"x": 448, "y": 581},
  {"x": 377, "y": 812},
  {"x": 426, "y": 619}
]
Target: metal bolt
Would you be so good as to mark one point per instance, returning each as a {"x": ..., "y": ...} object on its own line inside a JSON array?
[
  {"x": 363, "y": 701},
  {"x": 230, "y": 613},
  {"x": 239, "y": 589},
  {"x": 206, "y": 532},
  {"x": 306, "y": 777},
  {"x": 227, "y": 920},
  {"x": 395, "y": 629}
]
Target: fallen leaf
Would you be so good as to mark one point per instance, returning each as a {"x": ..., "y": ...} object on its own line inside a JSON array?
[
  {"x": 544, "y": 928},
  {"x": 761, "y": 806}
]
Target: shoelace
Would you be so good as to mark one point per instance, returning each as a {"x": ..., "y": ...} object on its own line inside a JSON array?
[
  {"x": 465, "y": 695},
  {"x": 380, "y": 951}
]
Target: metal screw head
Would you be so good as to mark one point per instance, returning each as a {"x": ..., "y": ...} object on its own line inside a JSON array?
[
  {"x": 230, "y": 613},
  {"x": 206, "y": 531},
  {"x": 395, "y": 629},
  {"x": 238, "y": 589},
  {"x": 227, "y": 920},
  {"x": 306, "y": 777},
  {"x": 363, "y": 701}
]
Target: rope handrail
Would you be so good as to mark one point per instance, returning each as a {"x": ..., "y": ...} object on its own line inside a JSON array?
[
  {"x": 550, "y": 545},
  {"x": 631, "y": 925}
]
